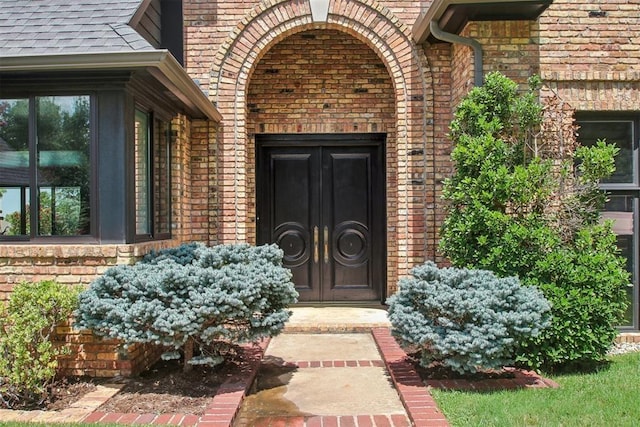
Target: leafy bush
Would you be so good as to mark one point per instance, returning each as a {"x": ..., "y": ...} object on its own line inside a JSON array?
[
  {"x": 192, "y": 296},
  {"x": 28, "y": 358},
  {"x": 583, "y": 283},
  {"x": 465, "y": 319},
  {"x": 525, "y": 201}
]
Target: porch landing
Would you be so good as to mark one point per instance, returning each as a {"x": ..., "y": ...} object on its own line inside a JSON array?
[{"x": 336, "y": 319}]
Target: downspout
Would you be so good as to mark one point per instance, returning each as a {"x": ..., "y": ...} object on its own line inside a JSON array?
[{"x": 438, "y": 33}]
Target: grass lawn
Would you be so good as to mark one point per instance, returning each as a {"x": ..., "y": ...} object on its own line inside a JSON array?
[{"x": 610, "y": 397}]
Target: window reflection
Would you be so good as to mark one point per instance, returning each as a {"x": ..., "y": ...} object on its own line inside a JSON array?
[
  {"x": 143, "y": 220},
  {"x": 621, "y": 209},
  {"x": 55, "y": 161},
  {"x": 619, "y": 133},
  {"x": 63, "y": 152},
  {"x": 14, "y": 167}
]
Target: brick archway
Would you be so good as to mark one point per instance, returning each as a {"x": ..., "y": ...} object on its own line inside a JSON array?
[{"x": 267, "y": 24}]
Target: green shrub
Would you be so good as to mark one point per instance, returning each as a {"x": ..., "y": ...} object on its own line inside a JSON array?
[
  {"x": 465, "y": 319},
  {"x": 584, "y": 284},
  {"x": 192, "y": 296},
  {"x": 525, "y": 201},
  {"x": 28, "y": 358}
]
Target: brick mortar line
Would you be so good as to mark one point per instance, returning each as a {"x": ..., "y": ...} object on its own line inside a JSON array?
[
  {"x": 366, "y": 420},
  {"x": 304, "y": 364}
]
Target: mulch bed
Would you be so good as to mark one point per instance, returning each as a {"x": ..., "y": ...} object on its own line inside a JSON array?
[
  {"x": 60, "y": 394},
  {"x": 508, "y": 378},
  {"x": 165, "y": 388}
]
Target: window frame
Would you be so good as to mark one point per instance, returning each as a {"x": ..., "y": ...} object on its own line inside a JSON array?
[
  {"x": 625, "y": 189},
  {"x": 32, "y": 135},
  {"x": 153, "y": 116}
]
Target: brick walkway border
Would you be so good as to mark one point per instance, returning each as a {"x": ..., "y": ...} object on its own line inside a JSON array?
[
  {"x": 420, "y": 405},
  {"x": 422, "y": 409},
  {"x": 414, "y": 395}
]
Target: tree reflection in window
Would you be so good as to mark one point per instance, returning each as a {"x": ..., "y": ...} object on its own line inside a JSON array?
[{"x": 60, "y": 171}]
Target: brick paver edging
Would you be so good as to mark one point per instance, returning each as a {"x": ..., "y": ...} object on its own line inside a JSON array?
[
  {"x": 221, "y": 411},
  {"x": 420, "y": 405}
]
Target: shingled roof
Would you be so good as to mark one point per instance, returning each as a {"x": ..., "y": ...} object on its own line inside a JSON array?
[
  {"x": 33, "y": 27},
  {"x": 84, "y": 35}
]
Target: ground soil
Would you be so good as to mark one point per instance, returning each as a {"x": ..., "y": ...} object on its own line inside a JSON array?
[
  {"x": 164, "y": 388},
  {"x": 438, "y": 372},
  {"x": 66, "y": 392},
  {"x": 60, "y": 394}
]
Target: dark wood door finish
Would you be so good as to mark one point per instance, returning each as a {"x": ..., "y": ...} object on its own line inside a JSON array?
[{"x": 321, "y": 199}]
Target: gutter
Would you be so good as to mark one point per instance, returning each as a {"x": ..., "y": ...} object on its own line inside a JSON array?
[
  {"x": 439, "y": 8},
  {"x": 437, "y": 32},
  {"x": 159, "y": 62}
]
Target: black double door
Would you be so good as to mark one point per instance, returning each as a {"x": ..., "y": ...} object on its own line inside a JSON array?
[{"x": 321, "y": 199}]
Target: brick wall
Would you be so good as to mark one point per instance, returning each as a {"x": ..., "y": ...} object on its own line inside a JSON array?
[
  {"x": 591, "y": 40},
  {"x": 437, "y": 160},
  {"x": 202, "y": 218},
  {"x": 192, "y": 194},
  {"x": 590, "y": 53},
  {"x": 96, "y": 357},
  {"x": 67, "y": 264},
  {"x": 229, "y": 45}
]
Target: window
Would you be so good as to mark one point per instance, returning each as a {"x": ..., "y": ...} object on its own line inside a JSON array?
[
  {"x": 152, "y": 176},
  {"x": 623, "y": 188},
  {"x": 45, "y": 167}
]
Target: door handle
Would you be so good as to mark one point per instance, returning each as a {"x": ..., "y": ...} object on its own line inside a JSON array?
[
  {"x": 316, "y": 258},
  {"x": 326, "y": 244}
]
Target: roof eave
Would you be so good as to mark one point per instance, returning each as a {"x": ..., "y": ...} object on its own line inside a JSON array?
[
  {"x": 421, "y": 28},
  {"x": 160, "y": 63}
]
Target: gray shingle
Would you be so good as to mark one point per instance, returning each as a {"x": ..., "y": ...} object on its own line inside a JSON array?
[{"x": 30, "y": 27}]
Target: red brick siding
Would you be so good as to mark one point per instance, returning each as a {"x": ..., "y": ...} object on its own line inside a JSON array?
[
  {"x": 96, "y": 357},
  {"x": 69, "y": 264},
  {"x": 576, "y": 44},
  {"x": 232, "y": 61},
  {"x": 510, "y": 47},
  {"x": 437, "y": 162},
  {"x": 590, "y": 53}
]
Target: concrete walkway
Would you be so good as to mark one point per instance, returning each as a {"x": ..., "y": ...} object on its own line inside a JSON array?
[
  {"x": 328, "y": 369},
  {"x": 317, "y": 377}
]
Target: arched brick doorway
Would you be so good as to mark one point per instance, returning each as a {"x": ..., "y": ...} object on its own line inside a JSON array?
[{"x": 403, "y": 73}]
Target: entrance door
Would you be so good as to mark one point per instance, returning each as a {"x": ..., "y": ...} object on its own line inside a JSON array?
[{"x": 321, "y": 199}]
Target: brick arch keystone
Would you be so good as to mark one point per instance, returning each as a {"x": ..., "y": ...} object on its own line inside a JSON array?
[{"x": 368, "y": 21}]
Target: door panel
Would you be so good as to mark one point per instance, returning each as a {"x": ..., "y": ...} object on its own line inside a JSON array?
[
  {"x": 347, "y": 196},
  {"x": 292, "y": 198},
  {"x": 323, "y": 204}
]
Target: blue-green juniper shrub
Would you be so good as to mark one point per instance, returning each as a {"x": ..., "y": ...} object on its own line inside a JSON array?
[
  {"x": 192, "y": 296},
  {"x": 466, "y": 320}
]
